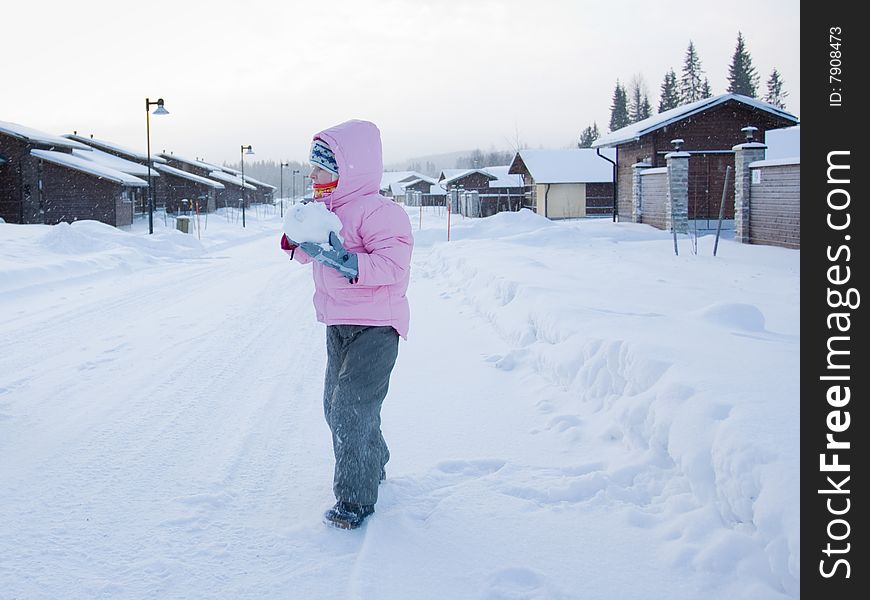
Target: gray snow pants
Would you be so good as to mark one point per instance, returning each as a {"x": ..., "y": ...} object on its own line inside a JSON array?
[{"x": 359, "y": 362}]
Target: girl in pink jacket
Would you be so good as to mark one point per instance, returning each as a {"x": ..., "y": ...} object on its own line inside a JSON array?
[{"x": 360, "y": 285}]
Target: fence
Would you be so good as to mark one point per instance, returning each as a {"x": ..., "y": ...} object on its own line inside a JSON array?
[
  {"x": 766, "y": 194},
  {"x": 775, "y": 192},
  {"x": 652, "y": 192}
]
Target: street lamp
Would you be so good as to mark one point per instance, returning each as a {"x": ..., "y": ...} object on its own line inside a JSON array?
[
  {"x": 157, "y": 111},
  {"x": 283, "y": 164},
  {"x": 294, "y": 185},
  {"x": 243, "y": 151}
]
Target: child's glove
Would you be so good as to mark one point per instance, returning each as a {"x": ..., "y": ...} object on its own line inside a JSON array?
[{"x": 336, "y": 257}]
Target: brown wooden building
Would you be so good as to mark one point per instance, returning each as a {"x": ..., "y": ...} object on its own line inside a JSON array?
[
  {"x": 186, "y": 192},
  {"x": 233, "y": 191},
  {"x": 128, "y": 159},
  {"x": 467, "y": 179},
  {"x": 506, "y": 192},
  {"x": 74, "y": 189},
  {"x": 264, "y": 192},
  {"x": 393, "y": 181},
  {"x": 42, "y": 181},
  {"x": 190, "y": 165},
  {"x": 464, "y": 180},
  {"x": 19, "y": 182},
  {"x": 709, "y": 129}
]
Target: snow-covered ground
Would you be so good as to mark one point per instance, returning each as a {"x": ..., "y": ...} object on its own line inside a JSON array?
[{"x": 578, "y": 413}]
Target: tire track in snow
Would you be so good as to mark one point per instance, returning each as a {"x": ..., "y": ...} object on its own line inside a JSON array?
[{"x": 186, "y": 437}]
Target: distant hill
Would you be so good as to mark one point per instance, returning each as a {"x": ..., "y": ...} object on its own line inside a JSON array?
[{"x": 433, "y": 164}]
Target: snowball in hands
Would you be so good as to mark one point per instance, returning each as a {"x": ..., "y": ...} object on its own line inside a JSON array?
[{"x": 310, "y": 222}]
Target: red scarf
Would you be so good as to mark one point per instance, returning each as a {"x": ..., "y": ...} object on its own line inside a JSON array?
[{"x": 323, "y": 189}]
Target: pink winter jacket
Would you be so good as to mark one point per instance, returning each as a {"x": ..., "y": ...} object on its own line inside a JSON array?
[{"x": 374, "y": 227}]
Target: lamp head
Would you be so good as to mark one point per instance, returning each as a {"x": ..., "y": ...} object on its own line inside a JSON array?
[{"x": 160, "y": 110}]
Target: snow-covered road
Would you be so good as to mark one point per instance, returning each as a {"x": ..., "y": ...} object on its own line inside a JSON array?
[{"x": 161, "y": 437}]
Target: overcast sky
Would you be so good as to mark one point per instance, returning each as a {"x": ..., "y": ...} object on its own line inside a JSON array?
[{"x": 436, "y": 76}]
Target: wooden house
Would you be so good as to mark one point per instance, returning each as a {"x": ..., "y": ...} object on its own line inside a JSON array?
[
  {"x": 505, "y": 191},
  {"x": 392, "y": 183},
  {"x": 709, "y": 129},
  {"x": 139, "y": 195},
  {"x": 42, "y": 181},
  {"x": 74, "y": 189},
  {"x": 418, "y": 191},
  {"x": 466, "y": 179},
  {"x": 234, "y": 190},
  {"x": 20, "y": 201},
  {"x": 127, "y": 161},
  {"x": 186, "y": 192},
  {"x": 190, "y": 165},
  {"x": 264, "y": 192},
  {"x": 561, "y": 184}
]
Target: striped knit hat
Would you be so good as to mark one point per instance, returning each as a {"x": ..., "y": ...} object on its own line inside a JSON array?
[{"x": 323, "y": 157}]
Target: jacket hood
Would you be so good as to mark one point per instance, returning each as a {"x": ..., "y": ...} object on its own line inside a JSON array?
[{"x": 357, "y": 148}]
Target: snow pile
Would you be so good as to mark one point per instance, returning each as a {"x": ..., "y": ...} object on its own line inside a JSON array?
[
  {"x": 687, "y": 363},
  {"x": 577, "y": 412},
  {"x": 310, "y": 222},
  {"x": 49, "y": 254}
]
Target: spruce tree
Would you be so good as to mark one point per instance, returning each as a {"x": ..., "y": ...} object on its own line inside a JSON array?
[
  {"x": 706, "y": 91},
  {"x": 742, "y": 77},
  {"x": 775, "y": 94},
  {"x": 619, "y": 108},
  {"x": 645, "y": 110},
  {"x": 588, "y": 135},
  {"x": 670, "y": 97},
  {"x": 691, "y": 82},
  {"x": 638, "y": 103}
]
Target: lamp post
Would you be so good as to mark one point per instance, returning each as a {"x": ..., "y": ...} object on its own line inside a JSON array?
[
  {"x": 157, "y": 111},
  {"x": 294, "y": 185},
  {"x": 245, "y": 150},
  {"x": 283, "y": 164}
]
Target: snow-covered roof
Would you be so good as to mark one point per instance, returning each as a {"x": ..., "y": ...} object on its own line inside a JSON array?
[
  {"x": 575, "y": 165},
  {"x": 190, "y": 161},
  {"x": 90, "y": 142},
  {"x": 38, "y": 137},
  {"x": 783, "y": 143},
  {"x": 450, "y": 173},
  {"x": 389, "y": 177},
  {"x": 505, "y": 179},
  {"x": 190, "y": 176},
  {"x": 397, "y": 188},
  {"x": 641, "y": 128},
  {"x": 226, "y": 177},
  {"x": 90, "y": 167},
  {"x": 257, "y": 182},
  {"x": 248, "y": 178},
  {"x": 437, "y": 190},
  {"x": 453, "y": 176},
  {"x": 115, "y": 162}
]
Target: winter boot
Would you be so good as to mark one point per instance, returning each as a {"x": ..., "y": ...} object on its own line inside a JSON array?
[{"x": 345, "y": 515}]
